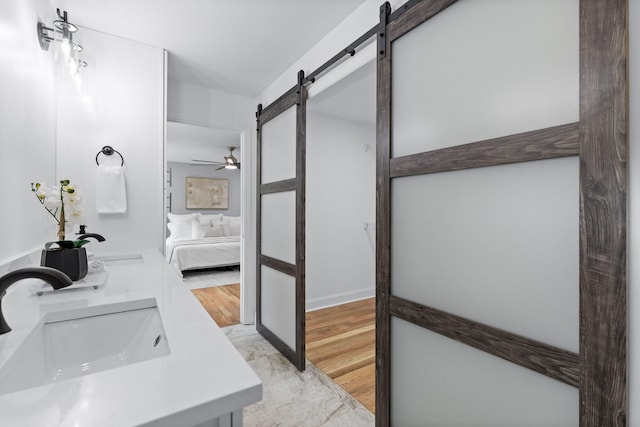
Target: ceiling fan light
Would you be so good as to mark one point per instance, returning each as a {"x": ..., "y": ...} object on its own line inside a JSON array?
[{"x": 231, "y": 166}]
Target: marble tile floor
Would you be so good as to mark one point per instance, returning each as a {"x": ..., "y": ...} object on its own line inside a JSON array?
[
  {"x": 290, "y": 397},
  {"x": 198, "y": 279}
]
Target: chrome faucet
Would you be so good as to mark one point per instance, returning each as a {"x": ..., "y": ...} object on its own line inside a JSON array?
[{"x": 56, "y": 278}]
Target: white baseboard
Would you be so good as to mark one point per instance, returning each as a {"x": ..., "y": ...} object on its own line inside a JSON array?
[{"x": 337, "y": 299}]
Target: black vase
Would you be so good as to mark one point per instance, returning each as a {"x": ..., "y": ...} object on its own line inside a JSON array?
[{"x": 72, "y": 262}]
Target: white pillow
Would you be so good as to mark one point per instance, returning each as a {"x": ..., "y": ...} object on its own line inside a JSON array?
[
  {"x": 232, "y": 226},
  {"x": 210, "y": 219},
  {"x": 213, "y": 231},
  {"x": 199, "y": 231},
  {"x": 179, "y": 230},
  {"x": 182, "y": 218}
]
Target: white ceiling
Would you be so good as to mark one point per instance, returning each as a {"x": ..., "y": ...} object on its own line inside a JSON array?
[
  {"x": 186, "y": 142},
  {"x": 238, "y": 46}
]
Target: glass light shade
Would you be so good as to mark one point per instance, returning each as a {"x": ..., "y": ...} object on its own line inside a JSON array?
[
  {"x": 65, "y": 26},
  {"x": 65, "y": 49}
]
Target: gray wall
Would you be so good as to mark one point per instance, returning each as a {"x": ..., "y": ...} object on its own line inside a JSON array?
[{"x": 180, "y": 172}]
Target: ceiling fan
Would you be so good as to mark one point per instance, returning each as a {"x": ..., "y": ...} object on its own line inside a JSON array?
[{"x": 230, "y": 162}]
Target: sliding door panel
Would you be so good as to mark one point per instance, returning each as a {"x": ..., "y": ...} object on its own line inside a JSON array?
[
  {"x": 501, "y": 153},
  {"x": 278, "y": 304},
  {"x": 279, "y": 151},
  {"x": 485, "y": 69},
  {"x": 437, "y": 381},
  {"x": 280, "y": 279},
  {"x": 279, "y": 226},
  {"x": 498, "y": 245}
]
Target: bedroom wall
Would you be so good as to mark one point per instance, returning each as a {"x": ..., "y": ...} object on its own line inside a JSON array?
[
  {"x": 180, "y": 172},
  {"x": 120, "y": 103},
  {"x": 27, "y": 126},
  {"x": 341, "y": 195}
]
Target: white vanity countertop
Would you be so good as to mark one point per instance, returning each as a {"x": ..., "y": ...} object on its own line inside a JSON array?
[{"x": 202, "y": 378}]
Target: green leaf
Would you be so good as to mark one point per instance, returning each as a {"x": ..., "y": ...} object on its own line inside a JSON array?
[{"x": 80, "y": 243}]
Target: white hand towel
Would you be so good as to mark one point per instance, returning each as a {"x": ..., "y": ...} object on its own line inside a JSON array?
[{"x": 111, "y": 194}]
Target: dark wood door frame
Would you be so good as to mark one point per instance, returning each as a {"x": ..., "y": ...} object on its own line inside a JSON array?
[
  {"x": 600, "y": 141},
  {"x": 298, "y": 98}
]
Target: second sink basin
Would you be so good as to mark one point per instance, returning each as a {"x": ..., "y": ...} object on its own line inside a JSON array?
[{"x": 69, "y": 344}]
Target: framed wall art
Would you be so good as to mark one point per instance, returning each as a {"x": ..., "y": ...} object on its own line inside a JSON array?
[{"x": 207, "y": 193}]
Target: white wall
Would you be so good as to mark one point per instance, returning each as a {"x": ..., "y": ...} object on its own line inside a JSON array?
[
  {"x": 180, "y": 172},
  {"x": 633, "y": 214},
  {"x": 120, "y": 103},
  {"x": 195, "y": 104},
  {"x": 341, "y": 196},
  {"x": 27, "y": 126}
]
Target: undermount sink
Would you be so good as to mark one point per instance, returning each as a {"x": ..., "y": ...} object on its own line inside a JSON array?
[{"x": 73, "y": 343}]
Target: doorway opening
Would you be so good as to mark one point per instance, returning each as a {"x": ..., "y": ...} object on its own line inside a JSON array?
[
  {"x": 204, "y": 215},
  {"x": 340, "y": 232}
]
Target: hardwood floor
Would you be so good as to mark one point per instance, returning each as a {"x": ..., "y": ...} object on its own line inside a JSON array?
[
  {"x": 341, "y": 342},
  {"x": 221, "y": 302}
]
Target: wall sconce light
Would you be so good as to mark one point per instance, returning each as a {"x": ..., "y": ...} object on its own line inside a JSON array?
[
  {"x": 62, "y": 32},
  {"x": 43, "y": 36}
]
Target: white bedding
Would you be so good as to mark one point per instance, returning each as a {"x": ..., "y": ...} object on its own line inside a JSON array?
[{"x": 190, "y": 254}]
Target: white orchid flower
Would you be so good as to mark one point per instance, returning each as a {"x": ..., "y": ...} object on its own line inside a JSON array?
[{"x": 67, "y": 196}]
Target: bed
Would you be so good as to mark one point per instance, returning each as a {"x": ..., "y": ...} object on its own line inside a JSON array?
[{"x": 198, "y": 241}]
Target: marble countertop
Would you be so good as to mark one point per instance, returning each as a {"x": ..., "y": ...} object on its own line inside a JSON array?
[{"x": 201, "y": 379}]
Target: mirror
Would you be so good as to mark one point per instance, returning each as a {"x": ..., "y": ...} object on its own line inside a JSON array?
[{"x": 118, "y": 103}]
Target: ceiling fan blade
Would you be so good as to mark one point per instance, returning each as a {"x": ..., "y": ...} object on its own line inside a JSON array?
[
  {"x": 229, "y": 160},
  {"x": 208, "y": 161}
]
